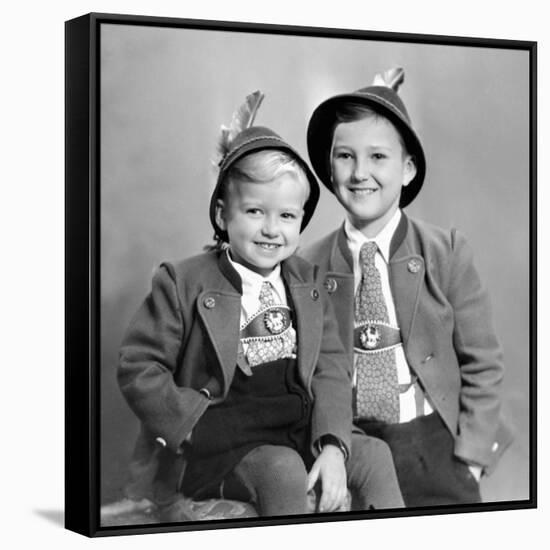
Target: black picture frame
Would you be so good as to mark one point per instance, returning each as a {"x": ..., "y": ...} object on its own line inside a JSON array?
[{"x": 84, "y": 361}]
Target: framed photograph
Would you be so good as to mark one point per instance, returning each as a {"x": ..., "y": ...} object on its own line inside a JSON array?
[{"x": 146, "y": 98}]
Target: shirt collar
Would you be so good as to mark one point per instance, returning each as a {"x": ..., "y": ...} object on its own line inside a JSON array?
[
  {"x": 252, "y": 281},
  {"x": 383, "y": 240}
]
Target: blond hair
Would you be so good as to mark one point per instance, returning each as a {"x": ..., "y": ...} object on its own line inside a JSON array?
[{"x": 262, "y": 167}]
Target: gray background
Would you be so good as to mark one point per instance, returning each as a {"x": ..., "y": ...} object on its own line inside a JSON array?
[{"x": 164, "y": 94}]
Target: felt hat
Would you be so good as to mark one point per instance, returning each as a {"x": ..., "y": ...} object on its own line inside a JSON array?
[
  {"x": 242, "y": 139},
  {"x": 382, "y": 98}
]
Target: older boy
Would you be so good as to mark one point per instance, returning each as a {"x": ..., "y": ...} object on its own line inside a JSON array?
[{"x": 409, "y": 302}]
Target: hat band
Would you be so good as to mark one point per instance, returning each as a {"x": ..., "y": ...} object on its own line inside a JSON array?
[
  {"x": 248, "y": 142},
  {"x": 389, "y": 104}
]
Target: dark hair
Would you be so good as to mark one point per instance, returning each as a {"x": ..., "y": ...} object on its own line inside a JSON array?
[{"x": 354, "y": 111}]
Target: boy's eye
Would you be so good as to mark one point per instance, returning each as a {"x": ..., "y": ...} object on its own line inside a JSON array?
[
  {"x": 253, "y": 211},
  {"x": 378, "y": 156},
  {"x": 288, "y": 216},
  {"x": 342, "y": 155}
]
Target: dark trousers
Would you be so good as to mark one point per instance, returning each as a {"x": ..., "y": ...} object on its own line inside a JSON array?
[
  {"x": 423, "y": 452},
  {"x": 372, "y": 479},
  {"x": 270, "y": 408},
  {"x": 275, "y": 478}
]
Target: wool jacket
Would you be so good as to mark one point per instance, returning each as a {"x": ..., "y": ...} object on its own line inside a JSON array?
[
  {"x": 444, "y": 316},
  {"x": 185, "y": 337}
]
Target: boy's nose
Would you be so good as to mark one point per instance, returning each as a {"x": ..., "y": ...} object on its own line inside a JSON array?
[
  {"x": 361, "y": 171},
  {"x": 270, "y": 227}
]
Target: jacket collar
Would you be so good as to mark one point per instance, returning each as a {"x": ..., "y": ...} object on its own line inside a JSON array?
[
  {"x": 406, "y": 275},
  {"x": 296, "y": 271},
  {"x": 399, "y": 234},
  {"x": 229, "y": 272},
  {"x": 341, "y": 259}
]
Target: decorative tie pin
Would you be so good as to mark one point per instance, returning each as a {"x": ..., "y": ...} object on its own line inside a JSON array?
[
  {"x": 375, "y": 336},
  {"x": 270, "y": 321}
]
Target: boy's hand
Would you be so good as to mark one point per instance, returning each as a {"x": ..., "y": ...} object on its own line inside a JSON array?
[{"x": 329, "y": 468}]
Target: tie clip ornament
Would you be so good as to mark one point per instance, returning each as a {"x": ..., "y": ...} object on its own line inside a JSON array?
[
  {"x": 374, "y": 336},
  {"x": 369, "y": 336},
  {"x": 268, "y": 322},
  {"x": 276, "y": 320}
]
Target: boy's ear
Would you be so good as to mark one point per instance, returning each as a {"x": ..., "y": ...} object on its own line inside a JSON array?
[
  {"x": 409, "y": 170},
  {"x": 220, "y": 214}
]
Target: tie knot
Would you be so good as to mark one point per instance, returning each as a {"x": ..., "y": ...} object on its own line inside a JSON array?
[
  {"x": 266, "y": 295},
  {"x": 368, "y": 251}
]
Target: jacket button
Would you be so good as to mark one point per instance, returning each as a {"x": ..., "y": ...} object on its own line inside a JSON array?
[
  {"x": 331, "y": 285},
  {"x": 206, "y": 393},
  {"x": 314, "y": 294},
  {"x": 209, "y": 302},
  {"x": 414, "y": 266},
  {"x": 161, "y": 441},
  {"x": 494, "y": 448}
]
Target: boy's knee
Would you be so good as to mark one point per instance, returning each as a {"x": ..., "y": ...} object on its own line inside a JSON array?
[
  {"x": 277, "y": 479},
  {"x": 287, "y": 461},
  {"x": 372, "y": 449},
  {"x": 284, "y": 465}
]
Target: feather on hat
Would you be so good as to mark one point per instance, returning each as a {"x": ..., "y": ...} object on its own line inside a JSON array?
[
  {"x": 242, "y": 119},
  {"x": 392, "y": 78}
]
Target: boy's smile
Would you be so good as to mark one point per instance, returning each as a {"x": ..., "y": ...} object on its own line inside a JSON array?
[
  {"x": 263, "y": 221},
  {"x": 369, "y": 167}
]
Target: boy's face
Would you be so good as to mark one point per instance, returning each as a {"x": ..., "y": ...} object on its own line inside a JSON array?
[
  {"x": 263, "y": 221},
  {"x": 369, "y": 168}
]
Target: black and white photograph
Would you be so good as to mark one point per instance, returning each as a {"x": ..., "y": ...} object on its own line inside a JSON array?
[
  {"x": 274, "y": 274},
  {"x": 313, "y": 272}
]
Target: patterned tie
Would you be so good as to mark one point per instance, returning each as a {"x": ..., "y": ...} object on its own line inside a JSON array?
[
  {"x": 377, "y": 389},
  {"x": 266, "y": 295},
  {"x": 275, "y": 338}
]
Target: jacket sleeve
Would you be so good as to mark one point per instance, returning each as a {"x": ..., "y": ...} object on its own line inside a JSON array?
[
  {"x": 331, "y": 385},
  {"x": 148, "y": 360},
  {"x": 479, "y": 356}
]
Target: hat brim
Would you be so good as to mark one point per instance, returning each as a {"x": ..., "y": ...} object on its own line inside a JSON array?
[
  {"x": 320, "y": 133},
  {"x": 261, "y": 144}
]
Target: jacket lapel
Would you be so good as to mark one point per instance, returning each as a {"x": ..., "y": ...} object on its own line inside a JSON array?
[
  {"x": 340, "y": 255},
  {"x": 306, "y": 302},
  {"x": 341, "y": 270},
  {"x": 406, "y": 270},
  {"x": 219, "y": 307}
]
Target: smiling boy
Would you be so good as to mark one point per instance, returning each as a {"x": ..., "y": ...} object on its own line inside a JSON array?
[
  {"x": 263, "y": 221},
  {"x": 370, "y": 166},
  {"x": 410, "y": 306}
]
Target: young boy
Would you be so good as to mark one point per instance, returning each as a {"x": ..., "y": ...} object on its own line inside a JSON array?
[
  {"x": 409, "y": 303},
  {"x": 233, "y": 363}
]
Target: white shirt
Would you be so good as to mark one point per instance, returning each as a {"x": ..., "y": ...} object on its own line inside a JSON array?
[{"x": 356, "y": 239}]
